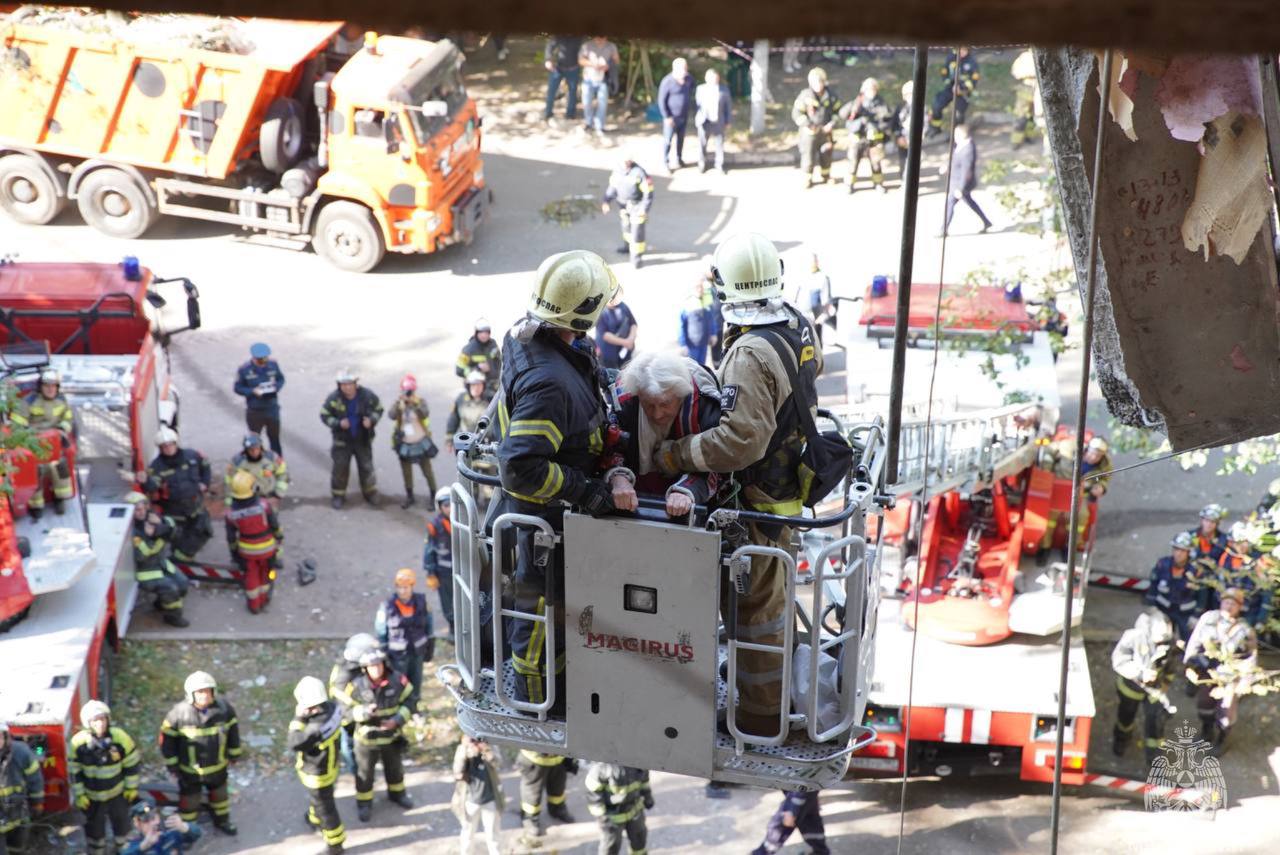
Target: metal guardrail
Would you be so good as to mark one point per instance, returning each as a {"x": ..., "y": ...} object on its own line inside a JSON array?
[
  {"x": 784, "y": 650},
  {"x": 854, "y": 577},
  {"x": 465, "y": 522},
  {"x": 951, "y": 451},
  {"x": 547, "y": 618}
]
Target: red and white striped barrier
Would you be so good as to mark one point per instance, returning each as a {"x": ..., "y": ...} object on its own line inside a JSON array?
[
  {"x": 211, "y": 573},
  {"x": 1141, "y": 788},
  {"x": 1127, "y": 583}
]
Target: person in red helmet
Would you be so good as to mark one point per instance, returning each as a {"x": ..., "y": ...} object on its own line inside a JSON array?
[{"x": 411, "y": 439}]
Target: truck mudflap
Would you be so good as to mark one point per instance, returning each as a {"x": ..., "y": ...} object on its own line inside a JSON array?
[{"x": 469, "y": 212}]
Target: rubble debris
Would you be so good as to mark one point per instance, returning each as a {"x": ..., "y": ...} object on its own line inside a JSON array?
[
  {"x": 200, "y": 32},
  {"x": 1232, "y": 200}
]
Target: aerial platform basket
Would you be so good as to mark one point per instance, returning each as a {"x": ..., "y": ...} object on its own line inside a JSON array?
[{"x": 649, "y": 670}]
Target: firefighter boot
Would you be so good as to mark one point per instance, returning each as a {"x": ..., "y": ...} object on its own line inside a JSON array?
[
  {"x": 408, "y": 499},
  {"x": 532, "y": 825},
  {"x": 34, "y": 512},
  {"x": 364, "y": 810},
  {"x": 401, "y": 798},
  {"x": 175, "y": 618},
  {"x": 225, "y": 825},
  {"x": 1220, "y": 742},
  {"x": 59, "y": 506},
  {"x": 561, "y": 812},
  {"x": 1120, "y": 741}
]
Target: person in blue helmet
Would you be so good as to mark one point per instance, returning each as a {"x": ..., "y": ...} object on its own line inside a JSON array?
[{"x": 259, "y": 382}]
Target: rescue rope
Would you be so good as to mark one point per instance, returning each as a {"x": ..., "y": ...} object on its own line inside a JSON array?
[
  {"x": 1077, "y": 480},
  {"x": 924, "y": 490}
]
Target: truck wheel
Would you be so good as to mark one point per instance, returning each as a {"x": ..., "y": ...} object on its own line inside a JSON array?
[
  {"x": 348, "y": 237},
  {"x": 111, "y": 201},
  {"x": 27, "y": 193},
  {"x": 280, "y": 139}
]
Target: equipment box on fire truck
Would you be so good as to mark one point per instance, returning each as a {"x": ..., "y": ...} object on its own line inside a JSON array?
[
  {"x": 969, "y": 569},
  {"x": 381, "y": 155},
  {"x": 65, "y": 605}
]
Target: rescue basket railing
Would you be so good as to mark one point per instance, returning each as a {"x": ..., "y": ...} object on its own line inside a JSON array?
[
  {"x": 739, "y": 568},
  {"x": 548, "y": 540},
  {"x": 849, "y": 640},
  {"x": 949, "y": 452},
  {"x": 465, "y": 530}
]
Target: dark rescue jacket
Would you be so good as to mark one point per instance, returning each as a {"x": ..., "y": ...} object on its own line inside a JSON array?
[
  {"x": 174, "y": 482},
  {"x": 198, "y": 743},
  {"x": 315, "y": 738}
]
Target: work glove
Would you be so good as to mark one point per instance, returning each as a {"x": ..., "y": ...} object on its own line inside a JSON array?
[
  {"x": 130, "y": 796},
  {"x": 360, "y": 713},
  {"x": 82, "y": 802},
  {"x": 648, "y": 801},
  {"x": 570, "y": 765},
  {"x": 596, "y": 498}
]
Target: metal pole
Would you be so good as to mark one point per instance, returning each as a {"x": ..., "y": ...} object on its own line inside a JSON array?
[
  {"x": 1086, "y": 351},
  {"x": 906, "y": 257}
]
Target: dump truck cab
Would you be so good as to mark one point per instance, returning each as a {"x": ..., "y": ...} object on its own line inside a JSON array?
[{"x": 403, "y": 138}]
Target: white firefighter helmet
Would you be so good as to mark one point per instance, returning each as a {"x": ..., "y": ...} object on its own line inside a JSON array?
[
  {"x": 369, "y": 657},
  {"x": 1098, "y": 443},
  {"x": 166, "y": 434},
  {"x": 92, "y": 710},
  {"x": 196, "y": 681},
  {"x": 571, "y": 289},
  {"x": 1159, "y": 627},
  {"x": 747, "y": 272},
  {"x": 346, "y": 375},
  {"x": 483, "y": 325},
  {"x": 1239, "y": 532},
  {"x": 1181, "y": 540},
  {"x": 357, "y": 645},
  {"x": 443, "y": 495},
  {"x": 475, "y": 377},
  {"x": 1213, "y": 511},
  {"x": 50, "y": 375},
  {"x": 310, "y": 692}
]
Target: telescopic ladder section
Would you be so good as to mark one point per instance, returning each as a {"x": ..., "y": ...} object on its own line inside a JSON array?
[{"x": 618, "y": 651}]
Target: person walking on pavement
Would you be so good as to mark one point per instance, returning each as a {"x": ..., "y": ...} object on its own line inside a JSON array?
[
  {"x": 437, "y": 555},
  {"x": 696, "y": 334},
  {"x": 411, "y": 439},
  {"x": 1176, "y": 588},
  {"x": 254, "y": 538},
  {"x": 377, "y": 698},
  {"x": 560, "y": 59},
  {"x": 617, "y": 797},
  {"x": 102, "y": 764},
  {"x": 869, "y": 122},
  {"x": 1221, "y": 656},
  {"x": 713, "y": 117},
  {"x": 632, "y": 189},
  {"x": 403, "y": 626},
  {"x": 177, "y": 481},
  {"x": 814, "y": 293},
  {"x": 259, "y": 381},
  {"x": 199, "y": 737},
  {"x": 959, "y": 80},
  {"x": 478, "y": 797},
  {"x": 760, "y": 436},
  {"x": 675, "y": 102},
  {"x": 616, "y": 333},
  {"x": 1145, "y": 661},
  {"x": 21, "y": 791},
  {"x": 799, "y": 810},
  {"x": 551, "y": 419},
  {"x": 480, "y": 353},
  {"x": 963, "y": 179},
  {"x": 157, "y": 834},
  {"x": 152, "y": 569},
  {"x": 268, "y": 470},
  {"x": 468, "y": 408},
  {"x": 543, "y": 774},
  {"x": 46, "y": 409},
  {"x": 350, "y": 412},
  {"x": 815, "y": 112},
  {"x": 595, "y": 56},
  {"x": 315, "y": 734}
]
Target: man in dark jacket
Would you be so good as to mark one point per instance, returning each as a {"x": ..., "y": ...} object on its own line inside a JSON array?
[
  {"x": 870, "y": 122},
  {"x": 259, "y": 382},
  {"x": 21, "y": 791},
  {"x": 314, "y": 734},
  {"x": 551, "y": 413},
  {"x": 350, "y": 412},
  {"x": 963, "y": 179},
  {"x": 959, "y": 80},
  {"x": 102, "y": 763},
  {"x": 714, "y": 115},
  {"x": 177, "y": 481},
  {"x": 560, "y": 59},
  {"x": 437, "y": 554},
  {"x": 198, "y": 738},
  {"x": 377, "y": 698},
  {"x": 675, "y": 101},
  {"x": 403, "y": 625},
  {"x": 617, "y": 797},
  {"x": 814, "y": 113},
  {"x": 152, "y": 569},
  {"x": 631, "y": 188},
  {"x": 480, "y": 353}
]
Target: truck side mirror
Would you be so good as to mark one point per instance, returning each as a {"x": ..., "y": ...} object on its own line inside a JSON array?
[
  {"x": 193, "y": 313},
  {"x": 156, "y": 300}
]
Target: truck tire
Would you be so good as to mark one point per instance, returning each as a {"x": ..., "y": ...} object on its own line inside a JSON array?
[
  {"x": 348, "y": 237},
  {"x": 281, "y": 136},
  {"x": 111, "y": 201},
  {"x": 27, "y": 193}
]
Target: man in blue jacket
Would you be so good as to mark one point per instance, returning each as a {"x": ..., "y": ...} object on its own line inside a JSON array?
[
  {"x": 259, "y": 381},
  {"x": 675, "y": 100}
]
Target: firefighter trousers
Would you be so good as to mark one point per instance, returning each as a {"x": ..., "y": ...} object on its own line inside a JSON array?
[
  {"x": 1130, "y": 696},
  {"x": 874, "y": 154},
  {"x": 809, "y": 824},
  {"x": 528, "y": 638},
  {"x": 633, "y": 217},
  {"x": 760, "y": 621},
  {"x": 367, "y": 757},
  {"x": 14, "y": 841},
  {"x": 940, "y": 102},
  {"x": 190, "y": 788},
  {"x": 536, "y": 779},
  {"x": 191, "y": 533},
  {"x": 815, "y": 146},
  {"x": 635, "y": 829},
  {"x": 55, "y": 476},
  {"x": 112, "y": 814},
  {"x": 259, "y": 577},
  {"x": 322, "y": 813},
  {"x": 169, "y": 591},
  {"x": 341, "y": 453},
  {"x": 409, "y": 663}
]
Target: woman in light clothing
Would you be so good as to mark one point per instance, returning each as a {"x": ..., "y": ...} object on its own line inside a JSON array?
[{"x": 477, "y": 797}]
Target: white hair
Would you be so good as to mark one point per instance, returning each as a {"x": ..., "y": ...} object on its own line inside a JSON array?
[{"x": 654, "y": 373}]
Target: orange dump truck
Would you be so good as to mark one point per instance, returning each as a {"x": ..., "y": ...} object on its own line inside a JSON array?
[{"x": 381, "y": 154}]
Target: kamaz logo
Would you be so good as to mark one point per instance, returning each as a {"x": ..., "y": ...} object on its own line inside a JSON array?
[
  {"x": 550, "y": 307},
  {"x": 756, "y": 284}
]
